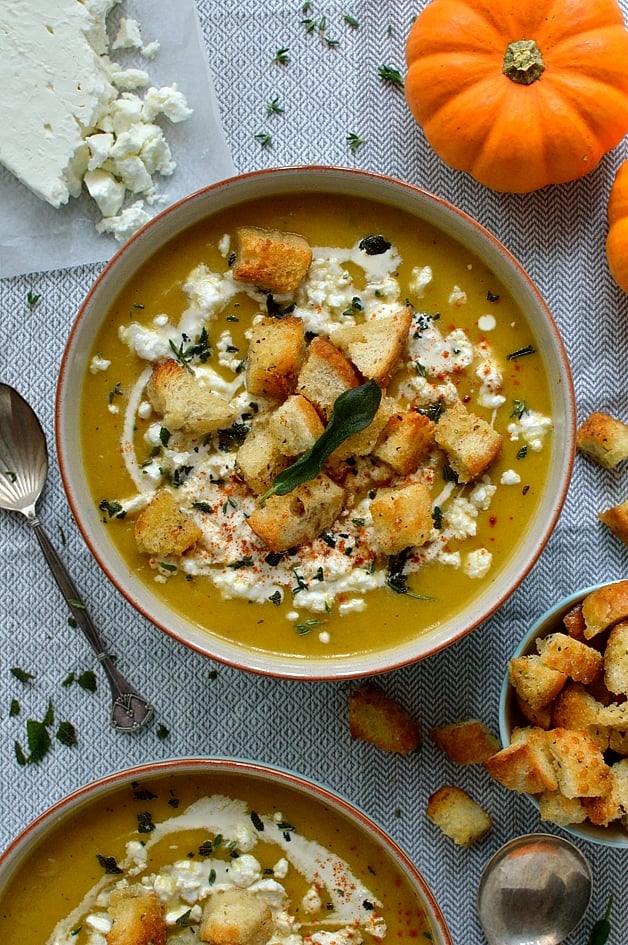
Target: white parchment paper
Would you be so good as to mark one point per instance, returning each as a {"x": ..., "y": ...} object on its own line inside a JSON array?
[{"x": 37, "y": 237}]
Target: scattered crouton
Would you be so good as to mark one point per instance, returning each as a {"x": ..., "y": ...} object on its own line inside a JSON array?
[
  {"x": 616, "y": 518},
  {"x": 524, "y": 766},
  {"x": 575, "y": 708},
  {"x": 614, "y": 804},
  {"x": 537, "y": 684},
  {"x": 275, "y": 354},
  {"x": 471, "y": 444},
  {"x": 466, "y": 743},
  {"x": 184, "y": 403},
  {"x": 236, "y": 917},
  {"x": 405, "y": 441},
  {"x": 458, "y": 815},
  {"x": 604, "y": 607},
  {"x": 555, "y": 808},
  {"x": 363, "y": 442},
  {"x": 295, "y": 425},
  {"x": 260, "y": 458},
  {"x": 285, "y": 521},
  {"x": 574, "y": 624},
  {"x": 567, "y": 655},
  {"x": 578, "y": 762},
  {"x": 163, "y": 529},
  {"x": 402, "y": 518},
  {"x": 137, "y": 917},
  {"x": 539, "y": 716},
  {"x": 616, "y": 659},
  {"x": 375, "y": 346},
  {"x": 271, "y": 259},
  {"x": 376, "y": 718},
  {"x": 603, "y": 439},
  {"x": 325, "y": 375}
]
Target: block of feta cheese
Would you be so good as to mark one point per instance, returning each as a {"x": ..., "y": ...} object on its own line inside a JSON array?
[{"x": 55, "y": 86}]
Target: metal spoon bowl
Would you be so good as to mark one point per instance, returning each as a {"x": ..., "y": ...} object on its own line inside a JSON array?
[
  {"x": 23, "y": 471},
  {"x": 534, "y": 891}
]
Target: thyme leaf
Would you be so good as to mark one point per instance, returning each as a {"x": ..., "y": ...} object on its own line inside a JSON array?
[{"x": 390, "y": 75}]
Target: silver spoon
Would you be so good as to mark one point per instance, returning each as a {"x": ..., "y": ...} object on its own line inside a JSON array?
[
  {"x": 534, "y": 891},
  {"x": 23, "y": 471}
]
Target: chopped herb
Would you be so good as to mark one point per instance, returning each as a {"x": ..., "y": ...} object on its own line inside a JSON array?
[
  {"x": 142, "y": 793},
  {"x": 437, "y": 517},
  {"x": 275, "y": 598},
  {"x": 245, "y": 562},
  {"x": 109, "y": 864},
  {"x": 217, "y": 840},
  {"x": 358, "y": 522},
  {"x": 356, "y": 306},
  {"x": 521, "y": 353},
  {"x": 32, "y": 298},
  {"x": 14, "y": 708},
  {"x": 10, "y": 475},
  {"x": 164, "y": 436},
  {"x": 69, "y": 679},
  {"x": 355, "y": 142},
  {"x": 202, "y": 507},
  {"x": 21, "y": 674},
  {"x": 397, "y": 579},
  {"x": 145, "y": 823},
  {"x": 353, "y": 411},
  {"x": 602, "y": 928},
  {"x": 211, "y": 879},
  {"x": 38, "y": 739},
  {"x": 390, "y": 75},
  {"x": 74, "y": 602},
  {"x": 180, "y": 474},
  {"x": 421, "y": 369},
  {"x": 229, "y": 503},
  {"x": 367, "y": 905},
  {"x": 350, "y": 21},
  {"x": 87, "y": 680},
  {"x": 374, "y": 245},
  {"x": 113, "y": 509},
  {"x": 115, "y": 392},
  {"x": 233, "y": 437},
  {"x": 305, "y": 627},
  {"x": 449, "y": 475},
  {"x": 275, "y": 310},
  {"x": 72, "y": 622},
  {"x": 200, "y": 349},
  {"x": 19, "y": 754},
  {"x": 518, "y": 409},
  {"x": 281, "y": 56},
  {"x": 264, "y": 138},
  {"x": 257, "y": 821},
  {"x": 301, "y": 584},
  {"x": 491, "y": 297},
  {"x": 66, "y": 734},
  {"x": 522, "y": 452},
  {"x": 183, "y": 921},
  {"x": 166, "y": 566},
  {"x": 273, "y": 107}
]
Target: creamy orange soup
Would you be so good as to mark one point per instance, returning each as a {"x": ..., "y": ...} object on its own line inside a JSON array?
[
  {"x": 192, "y": 836},
  {"x": 468, "y": 343}
]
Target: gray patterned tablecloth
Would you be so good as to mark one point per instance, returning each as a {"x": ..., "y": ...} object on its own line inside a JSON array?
[{"x": 328, "y": 91}]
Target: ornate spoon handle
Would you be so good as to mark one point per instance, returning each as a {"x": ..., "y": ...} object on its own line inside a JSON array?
[{"x": 130, "y": 711}]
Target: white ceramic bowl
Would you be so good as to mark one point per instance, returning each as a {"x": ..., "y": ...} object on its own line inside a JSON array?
[
  {"x": 425, "y": 207},
  {"x": 210, "y": 777},
  {"x": 510, "y": 717}
]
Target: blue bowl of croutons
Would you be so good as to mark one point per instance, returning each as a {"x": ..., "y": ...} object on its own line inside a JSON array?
[
  {"x": 300, "y": 416},
  {"x": 563, "y": 716}
]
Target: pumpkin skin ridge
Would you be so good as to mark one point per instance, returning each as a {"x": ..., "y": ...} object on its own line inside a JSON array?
[
  {"x": 590, "y": 49},
  {"x": 617, "y": 236}
]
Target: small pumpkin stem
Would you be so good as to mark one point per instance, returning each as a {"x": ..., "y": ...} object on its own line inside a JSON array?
[{"x": 523, "y": 62}]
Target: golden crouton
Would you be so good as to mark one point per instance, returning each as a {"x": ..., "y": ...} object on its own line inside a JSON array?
[
  {"x": 525, "y": 765},
  {"x": 471, "y": 444},
  {"x": 579, "y": 764},
  {"x": 615, "y": 715},
  {"x": 616, "y": 518},
  {"x": 236, "y": 917},
  {"x": 184, "y": 403},
  {"x": 466, "y": 743},
  {"x": 618, "y": 742},
  {"x": 604, "y": 607},
  {"x": 458, "y": 815},
  {"x": 137, "y": 916},
  {"x": 285, "y": 521},
  {"x": 603, "y": 439},
  {"x": 567, "y": 655},
  {"x": 259, "y": 458},
  {"x": 275, "y": 353},
  {"x": 405, "y": 441},
  {"x": 163, "y": 529},
  {"x": 325, "y": 375},
  {"x": 376, "y": 718},
  {"x": 402, "y": 518},
  {"x": 558, "y": 809},
  {"x": 539, "y": 716},
  {"x": 363, "y": 442},
  {"x": 574, "y": 624},
  {"x": 616, "y": 659},
  {"x": 295, "y": 425},
  {"x": 534, "y": 682},
  {"x": 271, "y": 259},
  {"x": 614, "y": 804},
  {"x": 576, "y": 708},
  {"x": 375, "y": 346}
]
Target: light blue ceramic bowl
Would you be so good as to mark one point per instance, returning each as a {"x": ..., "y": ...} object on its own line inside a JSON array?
[{"x": 509, "y": 716}]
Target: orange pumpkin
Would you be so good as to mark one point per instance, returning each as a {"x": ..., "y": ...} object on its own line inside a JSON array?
[
  {"x": 617, "y": 238},
  {"x": 519, "y": 93}
]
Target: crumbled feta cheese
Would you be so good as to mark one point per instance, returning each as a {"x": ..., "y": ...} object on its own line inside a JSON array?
[
  {"x": 533, "y": 427},
  {"x": 509, "y": 478},
  {"x": 98, "y": 363},
  {"x": 420, "y": 278},
  {"x": 125, "y": 223},
  {"x": 487, "y": 323},
  {"x": 457, "y": 297},
  {"x": 478, "y": 563}
]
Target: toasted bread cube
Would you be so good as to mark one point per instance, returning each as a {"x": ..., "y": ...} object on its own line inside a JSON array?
[
  {"x": 325, "y": 375},
  {"x": 138, "y": 918},
  {"x": 471, "y": 444},
  {"x": 603, "y": 439},
  {"x": 362, "y": 443},
  {"x": 567, "y": 655},
  {"x": 525, "y": 765},
  {"x": 618, "y": 742},
  {"x": 163, "y": 529},
  {"x": 616, "y": 659},
  {"x": 579, "y": 764},
  {"x": 555, "y": 808},
  {"x": 539, "y": 716},
  {"x": 615, "y": 716},
  {"x": 402, "y": 518},
  {"x": 271, "y": 259},
  {"x": 458, "y": 815},
  {"x": 375, "y": 346},
  {"x": 376, "y": 718},
  {"x": 184, "y": 403},
  {"x": 286, "y": 521},
  {"x": 535, "y": 683},
  {"x": 466, "y": 743},
  {"x": 295, "y": 425},
  {"x": 574, "y": 624},
  {"x": 405, "y": 441},
  {"x": 576, "y": 708},
  {"x": 616, "y": 518},
  {"x": 236, "y": 917},
  {"x": 604, "y": 607},
  {"x": 260, "y": 458},
  {"x": 614, "y": 804},
  {"x": 275, "y": 354}
]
